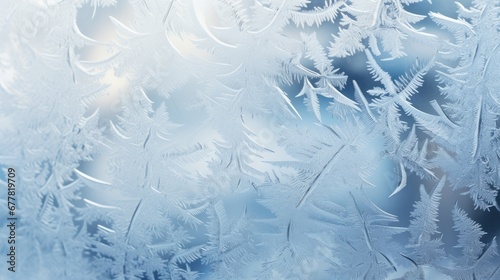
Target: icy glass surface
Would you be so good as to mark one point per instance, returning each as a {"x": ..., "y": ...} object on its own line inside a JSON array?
[{"x": 249, "y": 139}]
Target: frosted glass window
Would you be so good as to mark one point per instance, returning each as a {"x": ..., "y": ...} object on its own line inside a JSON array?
[{"x": 249, "y": 139}]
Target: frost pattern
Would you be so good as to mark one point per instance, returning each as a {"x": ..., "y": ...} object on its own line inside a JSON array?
[{"x": 177, "y": 146}]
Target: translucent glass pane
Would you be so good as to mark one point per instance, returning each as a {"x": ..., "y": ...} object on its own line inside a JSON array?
[{"x": 249, "y": 139}]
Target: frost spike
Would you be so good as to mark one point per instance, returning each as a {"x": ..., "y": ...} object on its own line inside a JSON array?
[
  {"x": 99, "y": 205},
  {"x": 89, "y": 178},
  {"x": 118, "y": 132},
  {"x": 440, "y": 112},
  {"x": 168, "y": 12},
  {"x": 132, "y": 220},
  {"x": 360, "y": 95},
  {"x": 89, "y": 40},
  {"x": 316, "y": 179},
  {"x": 477, "y": 130},
  {"x": 125, "y": 28},
  {"x": 107, "y": 230},
  {"x": 403, "y": 182},
  {"x": 283, "y": 94},
  {"x": 339, "y": 97},
  {"x": 199, "y": 8}
]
